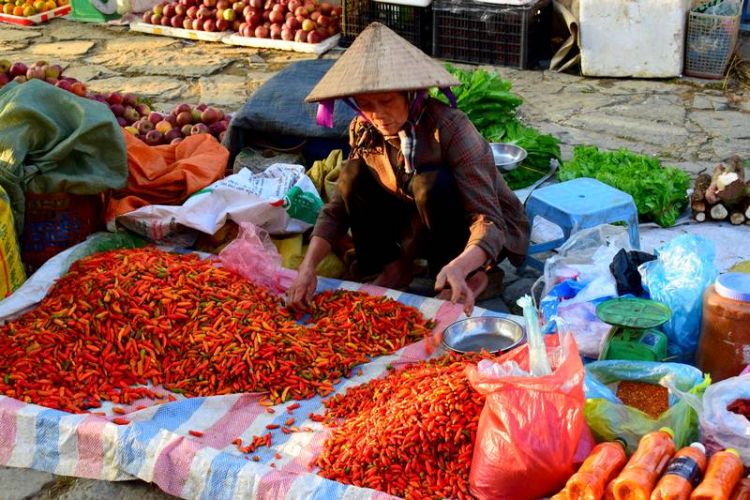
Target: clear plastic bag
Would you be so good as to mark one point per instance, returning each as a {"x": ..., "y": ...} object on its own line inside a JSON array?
[
  {"x": 531, "y": 427},
  {"x": 253, "y": 256},
  {"x": 684, "y": 268},
  {"x": 608, "y": 418},
  {"x": 719, "y": 427}
]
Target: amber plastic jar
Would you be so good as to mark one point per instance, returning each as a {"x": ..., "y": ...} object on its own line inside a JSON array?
[{"x": 724, "y": 349}]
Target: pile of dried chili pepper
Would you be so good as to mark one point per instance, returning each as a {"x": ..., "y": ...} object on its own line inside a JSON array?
[
  {"x": 126, "y": 318},
  {"x": 410, "y": 434}
]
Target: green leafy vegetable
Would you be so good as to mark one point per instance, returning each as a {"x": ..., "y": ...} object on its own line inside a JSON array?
[
  {"x": 491, "y": 106},
  {"x": 660, "y": 193}
]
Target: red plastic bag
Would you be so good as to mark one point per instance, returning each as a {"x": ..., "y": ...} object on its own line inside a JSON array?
[{"x": 530, "y": 427}]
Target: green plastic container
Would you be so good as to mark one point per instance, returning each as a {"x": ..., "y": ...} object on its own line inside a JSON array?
[
  {"x": 634, "y": 335},
  {"x": 85, "y": 12}
]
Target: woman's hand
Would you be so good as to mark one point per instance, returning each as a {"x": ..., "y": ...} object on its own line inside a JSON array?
[
  {"x": 301, "y": 292},
  {"x": 453, "y": 276}
]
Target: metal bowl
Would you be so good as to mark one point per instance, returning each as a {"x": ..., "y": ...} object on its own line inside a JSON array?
[
  {"x": 507, "y": 156},
  {"x": 489, "y": 333}
]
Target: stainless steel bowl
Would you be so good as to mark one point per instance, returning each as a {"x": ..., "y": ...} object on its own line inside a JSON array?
[
  {"x": 489, "y": 333},
  {"x": 507, "y": 156}
]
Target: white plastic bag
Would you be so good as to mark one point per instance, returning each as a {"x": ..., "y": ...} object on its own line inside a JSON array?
[{"x": 281, "y": 200}]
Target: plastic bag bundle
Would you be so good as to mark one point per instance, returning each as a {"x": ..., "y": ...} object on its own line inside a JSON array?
[{"x": 253, "y": 256}]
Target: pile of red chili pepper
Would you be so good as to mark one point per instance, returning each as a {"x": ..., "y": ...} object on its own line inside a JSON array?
[
  {"x": 740, "y": 407},
  {"x": 410, "y": 434},
  {"x": 122, "y": 319}
]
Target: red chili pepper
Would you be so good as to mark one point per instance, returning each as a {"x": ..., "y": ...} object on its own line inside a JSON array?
[
  {"x": 120, "y": 421},
  {"x": 195, "y": 433}
]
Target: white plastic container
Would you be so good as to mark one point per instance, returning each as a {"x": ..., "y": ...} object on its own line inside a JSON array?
[{"x": 633, "y": 38}]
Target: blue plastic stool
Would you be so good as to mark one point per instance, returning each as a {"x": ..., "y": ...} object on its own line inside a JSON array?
[{"x": 580, "y": 204}]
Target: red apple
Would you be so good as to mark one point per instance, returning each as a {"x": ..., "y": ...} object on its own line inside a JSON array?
[
  {"x": 203, "y": 12},
  {"x": 322, "y": 33},
  {"x": 209, "y": 25},
  {"x": 166, "y": 21},
  {"x": 287, "y": 34},
  {"x": 332, "y": 30},
  {"x": 129, "y": 99},
  {"x": 147, "y": 17},
  {"x": 262, "y": 32},
  {"x": 254, "y": 20},
  {"x": 180, "y": 10},
  {"x": 276, "y": 17},
  {"x": 172, "y": 134},
  {"x": 293, "y": 24},
  {"x": 246, "y": 11},
  {"x": 210, "y": 3},
  {"x": 209, "y": 116},
  {"x": 247, "y": 31},
  {"x": 117, "y": 109},
  {"x": 178, "y": 21},
  {"x": 187, "y": 23},
  {"x": 314, "y": 16},
  {"x": 300, "y": 36},
  {"x": 310, "y": 6},
  {"x": 63, "y": 84},
  {"x": 78, "y": 88},
  {"x": 301, "y": 11},
  {"x": 114, "y": 98},
  {"x": 121, "y": 121},
  {"x": 278, "y": 7},
  {"x": 275, "y": 31},
  {"x": 153, "y": 138},
  {"x": 256, "y": 4},
  {"x": 172, "y": 119},
  {"x": 235, "y": 26},
  {"x": 142, "y": 109},
  {"x": 266, "y": 15},
  {"x": 155, "y": 117},
  {"x": 217, "y": 128},
  {"x": 238, "y": 7},
  {"x": 313, "y": 37},
  {"x": 143, "y": 126},
  {"x": 158, "y": 9},
  {"x": 168, "y": 10},
  {"x": 326, "y": 8},
  {"x": 223, "y": 25},
  {"x": 163, "y": 126},
  {"x": 336, "y": 12},
  {"x": 130, "y": 114},
  {"x": 324, "y": 21},
  {"x": 192, "y": 12},
  {"x": 197, "y": 24},
  {"x": 293, "y": 5},
  {"x": 223, "y": 4},
  {"x": 199, "y": 128},
  {"x": 156, "y": 19}
]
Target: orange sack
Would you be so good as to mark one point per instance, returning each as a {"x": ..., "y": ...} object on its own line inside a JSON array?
[{"x": 167, "y": 174}]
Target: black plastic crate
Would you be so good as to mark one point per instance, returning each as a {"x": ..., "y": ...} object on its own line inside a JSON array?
[
  {"x": 412, "y": 23},
  {"x": 501, "y": 35}
]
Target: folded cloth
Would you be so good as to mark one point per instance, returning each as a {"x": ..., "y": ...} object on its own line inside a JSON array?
[
  {"x": 324, "y": 173},
  {"x": 167, "y": 174},
  {"x": 52, "y": 141}
]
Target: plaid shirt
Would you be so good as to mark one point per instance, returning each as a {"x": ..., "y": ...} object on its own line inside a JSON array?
[{"x": 443, "y": 136}]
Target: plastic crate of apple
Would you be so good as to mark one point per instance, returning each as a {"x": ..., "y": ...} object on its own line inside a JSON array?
[
  {"x": 28, "y": 8},
  {"x": 291, "y": 20}
]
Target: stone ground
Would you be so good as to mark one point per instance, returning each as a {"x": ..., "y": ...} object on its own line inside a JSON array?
[{"x": 686, "y": 122}]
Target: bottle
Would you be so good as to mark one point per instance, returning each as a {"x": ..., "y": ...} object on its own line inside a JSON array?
[
  {"x": 722, "y": 475},
  {"x": 644, "y": 468},
  {"x": 684, "y": 472},
  {"x": 603, "y": 464},
  {"x": 742, "y": 490}
]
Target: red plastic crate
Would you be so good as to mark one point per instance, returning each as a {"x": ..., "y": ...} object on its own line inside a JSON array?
[{"x": 36, "y": 19}]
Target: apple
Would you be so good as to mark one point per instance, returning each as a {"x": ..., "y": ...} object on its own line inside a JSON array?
[
  {"x": 130, "y": 114},
  {"x": 201, "y": 107},
  {"x": 301, "y": 11},
  {"x": 256, "y": 4},
  {"x": 131, "y": 130},
  {"x": 223, "y": 25},
  {"x": 278, "y": 7},
  {"x": 268, "y": 4},
  {"x": 78, "y": 88},
  {"x": 209, "y": 116},
  {"x": 336, "y": 12},
  {"x": 155, "y": 117},
  {"x": 182, "y": 107},
  {"x": 223, "y": 4},
  {"x": 262, "y": 32},
  {"x": 178, "y": 21},
  {"x": 53, "y": 71},
  {"x": 235, "y": 26},
  {"x": 129, "y": 99},
  {"x": 287, "y": 33},
  {"x": 197, "y": 24},
  {"x": 266, "y": 15},
  {"x": 217, "y": 128},
  {"x": 275, "y": 31},
  {"x": 143, "y": 109},
  {"x": 210, "y": 3},
  {"x": 326, "y": 8},
  {"x": 158, "y": 9},
  {"x": 163, "y": 126},
  {"x": 293, "y": 24},
  {"x": 63, "y": 84},
  {"x": 308, "y": 25},
  {"x": 180, "y": 10},
  {"x": 229, "y": 15},
  {"x": 324, "y": 21},
  {"x": 187, "y": 23},
  {"x": 147, "y": 17},
  {"x": 186, "y": 129},
  {"x": 121, "y": 121},
  {"x": 203, "y": 13},
  {"x": 314, "y": 16},
  {"x": 332, "y": 30},
  {"x": 35, "y": 72},
  {"x": 172, "y": 119},
  {"x": 199, "y": 128},
  {"x": 238, "y": 7},
  {"x": 254, "y": 20},
  {"x": 310, "y": 6},
  {"x": 168, "y": 10},
  {"x": 153, "y": 137},
  {"x": 117, "y": 109},
  {"x": 293, "y": 5},
  {"x": 246, "y": 11},
  {"x": 247, "y": 31},
  {"x": 172, "y": 134},
  {"x": 313, "y": 37},
  {"x": 300, "y": 36},
  {"x": 192, "y": 12},
  {"x": 276, "y": 17},
  {"x": 166, "y": 21}
]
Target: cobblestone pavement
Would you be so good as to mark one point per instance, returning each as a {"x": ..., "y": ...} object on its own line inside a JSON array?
[{"x": 686, "y": 122}]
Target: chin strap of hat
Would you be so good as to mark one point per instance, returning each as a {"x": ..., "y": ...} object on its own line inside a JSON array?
[{"x": 449, "y": 94}]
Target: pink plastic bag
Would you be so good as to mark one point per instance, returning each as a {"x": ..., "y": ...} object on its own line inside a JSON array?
[
  {"x": 253, "y": 256},
  {"x": 530, "y": 427}
]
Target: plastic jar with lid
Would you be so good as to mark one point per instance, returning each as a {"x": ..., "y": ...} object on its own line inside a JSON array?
[{"x": 724, "y": 348}]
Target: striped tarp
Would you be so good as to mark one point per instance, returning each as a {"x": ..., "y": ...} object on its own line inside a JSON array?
[{"x": 157, "y": 446}]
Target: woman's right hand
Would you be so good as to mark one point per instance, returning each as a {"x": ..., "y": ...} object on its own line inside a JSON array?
[{"x": 301, "y": 291}]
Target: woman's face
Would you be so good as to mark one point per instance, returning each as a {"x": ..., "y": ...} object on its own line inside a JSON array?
[{"x": 387, "y": 111}]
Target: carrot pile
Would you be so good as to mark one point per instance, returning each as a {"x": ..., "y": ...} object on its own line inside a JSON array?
[
  {"x": 410, "y": 434},
  {"x": 122, "y": 319}
]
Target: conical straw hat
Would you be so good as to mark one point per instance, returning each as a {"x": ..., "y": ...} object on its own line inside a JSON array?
[{"x": 380, "y": 61}]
